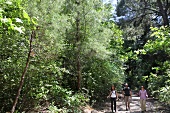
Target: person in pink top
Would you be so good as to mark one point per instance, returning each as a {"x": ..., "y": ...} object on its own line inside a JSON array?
[{"x": 143, "y": 96}]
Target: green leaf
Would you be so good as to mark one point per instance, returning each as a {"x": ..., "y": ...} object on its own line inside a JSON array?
[
  {"x": 19, "y": 29},
  {"x": 25, "y": 15},
  {"x": 18, "y": 20},
  {"x": 1, "y": 10},
  {"x": 8, "y": 2},
  {"x": 34, "y": 21}
]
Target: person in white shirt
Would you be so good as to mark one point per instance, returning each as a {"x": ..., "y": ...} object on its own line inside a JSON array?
[{"x": 113, "y": 96}]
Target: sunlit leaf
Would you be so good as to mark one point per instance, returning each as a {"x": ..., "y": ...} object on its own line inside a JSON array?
[
  {"x": 4, "y": 20},
  {"x": 18, "y": 20},
  {"x": 8, "y": 2},
  {"x": 25, "y": 15},
  {"x": 19, "y": 29}
]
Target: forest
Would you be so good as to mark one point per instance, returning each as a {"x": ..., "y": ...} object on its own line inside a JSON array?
[{"x": 64, "y": 54}]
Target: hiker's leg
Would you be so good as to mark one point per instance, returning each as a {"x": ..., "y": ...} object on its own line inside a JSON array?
[
  {"x": 115, "y": 104},
  {"x": 111, "y": 104},
  {"x": 129, "y": 102},
  {"x": 144, "y": 105},
  {"x": 141, "y": 103},
  {"x": 126, "y": 101}
]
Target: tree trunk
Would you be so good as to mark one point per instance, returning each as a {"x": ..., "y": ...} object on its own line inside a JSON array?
[
  {"x": 163, "y": 11},
  {"x": 23, "y": 74},
  {"x": 78, "y": 53},
  {"x": 78, "y": 43}
]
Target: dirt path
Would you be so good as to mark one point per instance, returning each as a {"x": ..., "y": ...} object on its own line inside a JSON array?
[{"x": 152, "y": 106}]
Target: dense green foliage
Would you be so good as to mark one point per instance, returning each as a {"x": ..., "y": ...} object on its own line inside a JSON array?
[
  {"x": 78, "y": 52},
  {"x": 147, "y": 38},
  {"x": 76, "y": 55},
  {"x": 15, "y": 26},
  {"x": 159, "y": 79}
]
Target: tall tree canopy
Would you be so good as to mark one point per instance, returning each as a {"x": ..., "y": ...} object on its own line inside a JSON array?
[
  {"x": 77, "y": 53},
  {"x": 76, "y": 50}
]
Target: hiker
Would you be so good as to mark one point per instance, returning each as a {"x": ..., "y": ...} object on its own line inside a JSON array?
[
  {"x": 113, "y": 96},
  {"x": 143, "y": 96},
  {"x": 127, "y": 96}
]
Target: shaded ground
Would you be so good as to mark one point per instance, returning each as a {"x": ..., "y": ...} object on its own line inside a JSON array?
[{"x": 152, "y": 106}]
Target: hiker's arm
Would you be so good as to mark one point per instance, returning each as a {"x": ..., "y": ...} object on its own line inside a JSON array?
[
  {"x": 109, "y": 95},
  {"x": 117, "y": 96},
  {"x": 146, "y": 94},
  {"x": 122, "y": 92},
  {"x": 139, "y": 93}
]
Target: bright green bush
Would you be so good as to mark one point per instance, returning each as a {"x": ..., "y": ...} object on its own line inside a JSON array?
[{"x": 159, "y": 79}]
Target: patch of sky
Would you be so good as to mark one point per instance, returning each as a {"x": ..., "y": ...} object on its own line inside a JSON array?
[{"x": 114, "y": 3}]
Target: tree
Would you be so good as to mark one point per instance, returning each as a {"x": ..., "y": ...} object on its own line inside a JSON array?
[
  {"x": 89, "y": 38},
  {"x": 137, "y": 11},
  {"x": 136, "y": 18},
  {"x": 159, "y": 76},
  {"x": 14, "y": 22},
  {"x": 74, "y": 53}
]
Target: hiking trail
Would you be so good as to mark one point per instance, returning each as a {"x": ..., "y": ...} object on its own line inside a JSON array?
[{"x": 152, "y": 106}]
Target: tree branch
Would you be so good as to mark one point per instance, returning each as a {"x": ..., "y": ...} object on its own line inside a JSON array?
[{"x": 24, "y": 73}]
